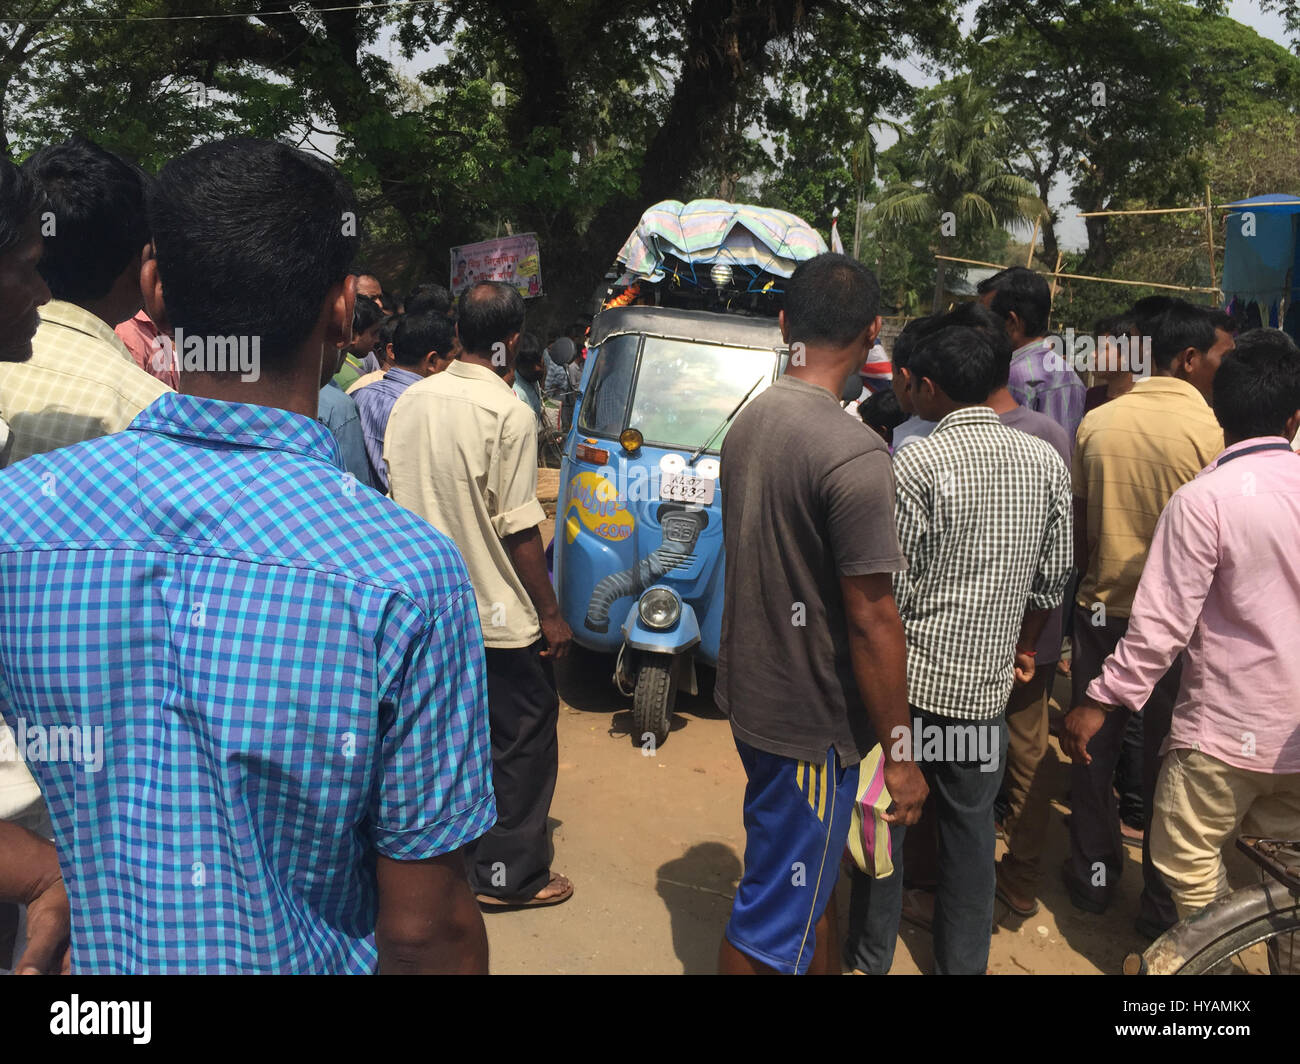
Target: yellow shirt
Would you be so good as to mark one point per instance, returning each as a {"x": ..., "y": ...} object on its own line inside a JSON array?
[
  {"x": 1131, "y": 455},
  {"x": 461, "y": 451},
  {"x": 80, "y": 383}
]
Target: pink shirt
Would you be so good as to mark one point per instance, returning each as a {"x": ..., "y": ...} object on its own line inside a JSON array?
[
  {"x": 140, "y": 335},
  {"x": 1222, "y": 585}
]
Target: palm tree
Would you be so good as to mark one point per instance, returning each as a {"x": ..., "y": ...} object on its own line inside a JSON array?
[{"x": 962, "y": 181}]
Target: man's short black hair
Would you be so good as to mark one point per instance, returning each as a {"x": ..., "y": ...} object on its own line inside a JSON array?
[
  {"x": 1020, "y": 289},
  {"x": 418, "y": 334},
  {"x": 881, "y": 410},
  {"x": 366, "y": 314},
  {"x": 490, "y": 313},
  {"x": 1146, "y": 311},
  {"x": 831, "y": 299},
  {"x": 100, "y": 222},
  {"x": 20, "y": 199},
  {"x": 978, "y": 317},
  {"x": 1178, "y": 326},
  {"x": 905, "y": 342},
  {"x": 251, "y": 235},
  {"x": 428, "y": 297},
  {"x": 530, "y": 350},
  {"x": 1125, "y": 323},
  {"x": 1257, "y": 385},
  {"x": 387, "y": 329},
  {"x": 960, "y": 362}
]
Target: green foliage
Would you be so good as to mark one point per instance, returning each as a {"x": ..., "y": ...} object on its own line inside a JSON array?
[
  {"x": 954, "y": 185},
  {"x": 1119, "y": 98}
]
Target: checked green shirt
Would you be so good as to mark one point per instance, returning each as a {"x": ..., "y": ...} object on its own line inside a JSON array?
[{"x": 80, "y": 383}]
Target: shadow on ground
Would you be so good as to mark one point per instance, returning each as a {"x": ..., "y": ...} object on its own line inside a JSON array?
[{"x": 697, "y": 889}]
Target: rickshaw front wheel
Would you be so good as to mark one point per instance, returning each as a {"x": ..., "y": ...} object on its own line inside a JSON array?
[{"x": 656, "y": 692}]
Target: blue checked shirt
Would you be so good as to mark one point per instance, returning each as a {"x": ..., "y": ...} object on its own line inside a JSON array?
[{"x": 281, "y": 694}]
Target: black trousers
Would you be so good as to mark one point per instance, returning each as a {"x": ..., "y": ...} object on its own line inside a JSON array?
[
  {"x": 1096, "y": 850},
  {"x": 513, "y": 859}
]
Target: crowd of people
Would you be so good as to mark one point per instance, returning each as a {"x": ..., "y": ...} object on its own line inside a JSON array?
[
  {"x": 999, "y": 508},
  {"x": 278, "y": 635},
  {"x": 300, "y": 606}
]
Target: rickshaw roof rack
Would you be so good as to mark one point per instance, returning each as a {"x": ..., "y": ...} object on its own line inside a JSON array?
[{"x": 676, "y": 324}]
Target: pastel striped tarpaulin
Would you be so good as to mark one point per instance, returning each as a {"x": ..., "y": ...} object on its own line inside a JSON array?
[
  {"x": 869, "y": 842},
  {"x": 709, "y": 231}
]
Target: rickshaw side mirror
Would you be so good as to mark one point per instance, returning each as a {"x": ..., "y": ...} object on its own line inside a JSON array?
[{"x": 562, "y": 351}]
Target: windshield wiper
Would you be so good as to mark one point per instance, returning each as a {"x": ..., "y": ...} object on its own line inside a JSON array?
[{"x": 730, "y": 417}]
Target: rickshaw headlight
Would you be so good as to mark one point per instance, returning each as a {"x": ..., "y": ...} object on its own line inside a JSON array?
[
  {"x": 631, "y": 440},
  {"x": 659, "y": 608}
]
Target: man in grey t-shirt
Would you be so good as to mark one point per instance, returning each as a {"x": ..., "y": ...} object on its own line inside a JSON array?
[{"x": 811, "y": 663}]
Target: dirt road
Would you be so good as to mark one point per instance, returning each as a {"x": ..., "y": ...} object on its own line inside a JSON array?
[{"x": 654, "y": 845}]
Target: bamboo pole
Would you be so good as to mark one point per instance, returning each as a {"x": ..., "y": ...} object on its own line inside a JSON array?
[
  {"x": 1136, "y": 284},
  {"x": 1033, "y": 240},
  {"x": 1209, "y": 232},
  {"x": 1088, "y": 277},
  {"x": 1146, "y": 210},
  {"x": 1186, "y": 210},
  {"x": 972, "y": 262},
  {"x": 1056, "y": 273}
]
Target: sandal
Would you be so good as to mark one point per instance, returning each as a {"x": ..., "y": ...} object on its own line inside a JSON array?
[{"x": 562, "y": 894}]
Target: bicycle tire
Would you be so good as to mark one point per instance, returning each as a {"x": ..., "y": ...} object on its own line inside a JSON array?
[{"x": 1223, "y": 929}]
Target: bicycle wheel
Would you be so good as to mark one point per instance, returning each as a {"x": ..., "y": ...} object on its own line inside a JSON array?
[{"x": 1266, "y": 912}]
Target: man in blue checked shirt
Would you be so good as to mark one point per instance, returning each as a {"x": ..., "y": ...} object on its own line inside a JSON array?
[{"x": 290, "y": 718}]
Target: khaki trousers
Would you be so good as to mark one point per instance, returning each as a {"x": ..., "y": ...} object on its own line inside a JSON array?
[{"x": 1201, "y": 803}]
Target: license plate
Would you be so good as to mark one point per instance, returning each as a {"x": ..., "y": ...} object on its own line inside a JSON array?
[{"x": 687, "y": 487}]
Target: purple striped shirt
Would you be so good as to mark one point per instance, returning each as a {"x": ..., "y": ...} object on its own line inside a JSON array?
[{"x": 1043, "y": 382}]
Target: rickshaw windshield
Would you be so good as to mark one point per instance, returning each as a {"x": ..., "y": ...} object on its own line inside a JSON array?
[{"x": 683, "y": 392}]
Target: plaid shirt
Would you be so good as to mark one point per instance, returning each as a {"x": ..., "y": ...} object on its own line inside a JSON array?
[
  {"x": 984, "y": 520},
  {"x": 282, "y": 695},
  {"x": 81, "y": 382},
  {"x": 1057, "y": 392},
  {"x": 374, "y": 404}
]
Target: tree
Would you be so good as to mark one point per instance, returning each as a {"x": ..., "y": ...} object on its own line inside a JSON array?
[
  {"x": 962, "y": 184},
  {"x": 564, "y": 117},
  {"x": 1124, "y": 122}
]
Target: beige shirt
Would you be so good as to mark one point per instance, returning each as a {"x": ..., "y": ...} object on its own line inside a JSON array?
[
  {"x": 18, "y": 791},
  {"x": 366, "y": 378},
  {"x": 80, "y": 383},
  {"x": 461, "y": 451},
  {"x": 1131, "y": 455}
]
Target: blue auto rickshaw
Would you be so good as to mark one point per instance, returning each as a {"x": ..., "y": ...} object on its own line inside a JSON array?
[
  {"x": 638, "y": 537},
  {"x": 686, "y": 337}
]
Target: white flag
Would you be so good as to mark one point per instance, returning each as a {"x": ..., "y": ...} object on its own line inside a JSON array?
[{"x": 837, "y": 245}]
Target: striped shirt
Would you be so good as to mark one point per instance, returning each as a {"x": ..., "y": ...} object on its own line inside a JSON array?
[
  {"x": 81, "y": 382},
  {"x": 1040, "y": 380},
  {"x": 275, "y": 693},
  {"x": 983, "y": 516},
  {"x": 374, "y": 404}
]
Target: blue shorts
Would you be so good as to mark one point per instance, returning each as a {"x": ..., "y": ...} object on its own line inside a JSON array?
[{"x": 797, "y": 816}]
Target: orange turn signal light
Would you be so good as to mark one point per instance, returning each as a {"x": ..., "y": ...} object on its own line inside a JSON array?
[
  {"x": 596, "y": 455},
  {"x": 631, "y": 440}
]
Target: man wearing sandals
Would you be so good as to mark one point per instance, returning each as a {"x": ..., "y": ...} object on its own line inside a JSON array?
[{"x": 462, "y": 452}]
